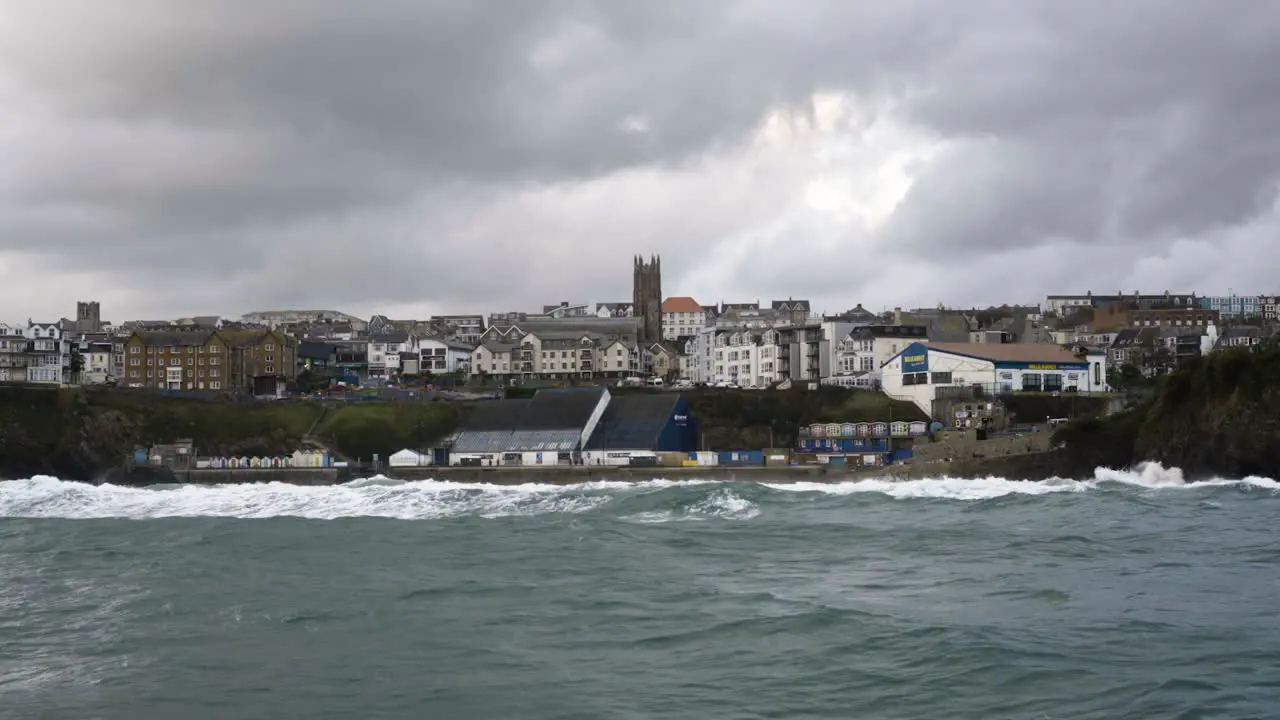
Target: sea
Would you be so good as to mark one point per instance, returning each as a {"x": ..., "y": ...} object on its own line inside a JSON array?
[{"x": 1129, "y": 595}]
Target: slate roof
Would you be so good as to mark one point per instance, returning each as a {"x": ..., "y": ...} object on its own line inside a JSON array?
[
  {"x": 633, "y": 422},
  {"x": 173, "y": 338},
  {"x": 1031, "y": 353},
  {"x": 561, "y": 409},
  {"x": 497, "y": 415},
  {"x": 553, "y": 420},
  {"x": 390, "y": 337}
]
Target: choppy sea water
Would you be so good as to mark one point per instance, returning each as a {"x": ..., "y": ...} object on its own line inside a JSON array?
[{"x": 1134, "y": 595}]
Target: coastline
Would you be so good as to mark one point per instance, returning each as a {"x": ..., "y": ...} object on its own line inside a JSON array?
[{"x": 1034, "y": 466}]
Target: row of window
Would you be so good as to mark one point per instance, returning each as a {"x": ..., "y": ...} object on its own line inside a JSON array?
[{"x": 213, "y": 372}]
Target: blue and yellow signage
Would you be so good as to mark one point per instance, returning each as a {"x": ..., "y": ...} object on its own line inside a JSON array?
[{"x": 915, "y": 359}]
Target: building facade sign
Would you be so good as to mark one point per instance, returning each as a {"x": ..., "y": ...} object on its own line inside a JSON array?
[{"x": 915, "y": 359}]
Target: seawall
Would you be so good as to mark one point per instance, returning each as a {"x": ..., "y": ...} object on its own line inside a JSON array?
[{"x": 143, "y": 476}]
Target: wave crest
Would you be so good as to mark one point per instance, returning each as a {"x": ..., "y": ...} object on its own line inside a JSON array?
[{"x": 649, "y": 501}]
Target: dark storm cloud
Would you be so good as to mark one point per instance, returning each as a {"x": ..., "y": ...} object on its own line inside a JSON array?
[{"x": 389, "y": 143}]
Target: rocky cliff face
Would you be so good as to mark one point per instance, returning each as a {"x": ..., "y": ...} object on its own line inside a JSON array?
[{"x": 1219, "y": 417}]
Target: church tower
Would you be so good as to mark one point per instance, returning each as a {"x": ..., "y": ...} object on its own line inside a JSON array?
[{"x": 646, "y": 298}]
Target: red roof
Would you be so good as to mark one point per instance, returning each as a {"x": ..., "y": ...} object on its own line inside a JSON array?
[{"x": 680, "y": 304}]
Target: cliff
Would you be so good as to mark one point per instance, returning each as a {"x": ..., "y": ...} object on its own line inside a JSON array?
[
  {"x": 1216, "y": 417},
  {"x": 749, "y": 419},
  {"x": 81, "y": 433}
]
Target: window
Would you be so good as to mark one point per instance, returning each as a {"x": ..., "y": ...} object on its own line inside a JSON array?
[
  {"x": 270, "y": 370},
  {"x": 915, "y": 379},
  {"x": 191, "y": 361},
  {"x": 269, "y": 347},
  {"x": 191, "y": 350},
  {"x": 134, "y": 350},
  {"x": 1053, "y": 382},
  {"x": 941, "y": 378},
  {"x": 136, "y": 361},
  {"x": 133, "y": 373},
  {"x": 213, "y": 372},
  {"x": 1031, "y": 381},
  {"x": 1097, "y": 374},
  {"x": 270, "y": 358},
  {"x": 215, "y": 386}
]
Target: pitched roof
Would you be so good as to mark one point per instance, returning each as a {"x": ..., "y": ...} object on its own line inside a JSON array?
[
  {"x": 495, "y": 415},
  {"x": 633, "y": 422},
  {"x": 1020, "y": 352},
  {"x": 681, "y": 304},
  {"x": 172, "y": 338},
  {"x": 561, "y": 408}
]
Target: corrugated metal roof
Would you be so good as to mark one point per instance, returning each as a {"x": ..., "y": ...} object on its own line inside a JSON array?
[
  {"x": 544, "y": 440},
  {"x": 482, "y": 441}
]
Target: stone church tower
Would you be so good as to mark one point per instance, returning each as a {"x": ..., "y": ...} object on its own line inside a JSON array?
[{"x": 646, "y": 298}]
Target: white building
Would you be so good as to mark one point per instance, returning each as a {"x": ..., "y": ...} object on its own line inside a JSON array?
[
  {"x": 865, "y": 349},
  {"x": 917, "y": 371},
  {"x": 98, "y": 365},
  {"x": 13, "y": 353},
  {"x": 681, "y": 317},
  {"x": 442, "y": 356},
  {"x": 1235, "y": 306},
  {"x": 49, "y": 354},
  {"x": 747, "y": 358},
  {"x": 384, "y": 353}
]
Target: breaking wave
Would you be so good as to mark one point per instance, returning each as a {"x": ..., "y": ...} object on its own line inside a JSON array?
[{"x": 651, "y": 501}]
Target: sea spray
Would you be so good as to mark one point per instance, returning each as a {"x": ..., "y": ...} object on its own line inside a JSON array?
[{"x": 380, "y": 496}]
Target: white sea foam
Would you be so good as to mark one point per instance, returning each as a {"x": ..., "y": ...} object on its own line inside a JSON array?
[
  {"x": 1152, "y": 476},
  {"x": 380, "y": 496}
]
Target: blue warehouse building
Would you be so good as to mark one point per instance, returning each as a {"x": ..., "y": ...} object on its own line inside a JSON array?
[{"x": 635, "y": 428}]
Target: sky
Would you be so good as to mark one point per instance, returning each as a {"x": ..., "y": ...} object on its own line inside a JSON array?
[{"x": 415, "y": 157}]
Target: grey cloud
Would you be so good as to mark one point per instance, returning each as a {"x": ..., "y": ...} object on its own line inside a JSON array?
[{"x": 387, "y": 143}]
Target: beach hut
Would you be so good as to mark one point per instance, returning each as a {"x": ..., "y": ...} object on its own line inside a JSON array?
[
  {"x": 848, "y": 430},
  {"x": 917, "y": 428},
  {"x": 863, "y": 429},
  {"x": 833, "y": 430},
  {"x": 818, "y": 430},
  {"x": 898, "y": 428}
]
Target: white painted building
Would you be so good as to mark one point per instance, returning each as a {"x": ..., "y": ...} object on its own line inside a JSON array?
[
  {"x": 440, "y": 357},
  {"x": 681, "y": 317},
  {"x": 867, "y": 348},
  {"x": 13, "y": 353},
  {"x": 49, "y": 355},
  {"x": 384, "y": 353},
  {"x": 746, "y": 358},
  {"x": 494, "y": 359},
  {"x": 920, "y": 369}
]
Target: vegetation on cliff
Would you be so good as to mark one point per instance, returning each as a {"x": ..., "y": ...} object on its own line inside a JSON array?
[
  {"x": 78, "y": 433},
  {"x": 750, "y": 419},
  {"x": 1219, "y": 415}
]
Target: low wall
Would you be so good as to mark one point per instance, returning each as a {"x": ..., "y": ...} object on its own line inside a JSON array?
[
  {"x": 573, "y": 474},
  {"x": 292, "y": 476}
]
